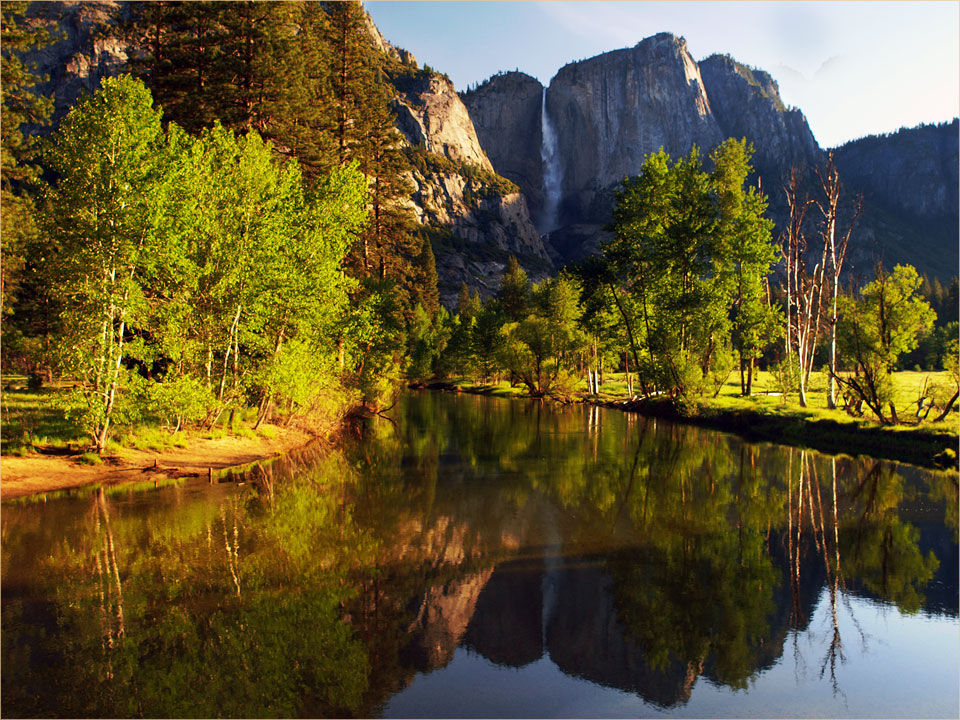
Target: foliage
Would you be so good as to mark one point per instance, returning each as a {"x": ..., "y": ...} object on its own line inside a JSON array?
[
  {"x": 108, "y": 213},
  {"x": 542, "y": 348},
  {"x": 692, "y": 249},
  {"x": 204, "y": 263},
  {"x": 876, "y": 329},
  {"x": 20, "y": 105}
]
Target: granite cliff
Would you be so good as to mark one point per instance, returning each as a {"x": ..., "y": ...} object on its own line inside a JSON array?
[
  {"x": 609, "y": 111},
  {"x": 746, "y": 103},
  {"x": 476, "y": 217},
  {"x": 506, "y": 114}
]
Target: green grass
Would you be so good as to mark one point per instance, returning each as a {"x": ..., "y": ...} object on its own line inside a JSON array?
[
  {"x": 35, "y": 421},
  {"x": 32, "y": 419},
  {"x": 267, "y": 431},
  {"x": 766, "y": 398},
  {"x": 768, "y": 415},
  {"x": 501, "y": 389}
]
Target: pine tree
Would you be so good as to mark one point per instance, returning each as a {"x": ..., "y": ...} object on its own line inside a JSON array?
[
  {"x": 304, "y": 129},
  {"x": 428, "y": 293},
  {"x": 350, "y": 74},
  {"x": 514, "y": 296},
  {"x": 20, "y": 105},
  {"x": 180, "y": 61}
]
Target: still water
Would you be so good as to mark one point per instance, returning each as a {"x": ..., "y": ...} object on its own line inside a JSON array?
[{"x": 479, "y": 557}]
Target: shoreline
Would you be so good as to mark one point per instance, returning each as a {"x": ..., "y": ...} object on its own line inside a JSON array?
[
  {"x": 39, "y": 473},
  {"x": 924, "y": 447}
]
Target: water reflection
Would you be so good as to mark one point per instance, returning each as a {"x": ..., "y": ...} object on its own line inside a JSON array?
[{"x": 631, "y": 553}]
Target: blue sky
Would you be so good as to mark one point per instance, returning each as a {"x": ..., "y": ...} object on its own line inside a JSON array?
[{"x": 854, "y": 68}]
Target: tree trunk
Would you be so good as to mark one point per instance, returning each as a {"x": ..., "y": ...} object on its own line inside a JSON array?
[
  {"x": 947, "y": 407},
  {"x": 743, "y": 386}
]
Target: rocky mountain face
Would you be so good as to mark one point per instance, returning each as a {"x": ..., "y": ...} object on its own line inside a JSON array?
[
  {"x": 430, "y": 114},
  {"x": 909, "y": 184},
  {"x": 609, "y": 111},
  {"x": 506, "y": 114},
  {"x": 912, "y": 170},
  {"x": 746, "y": 103},
  {"x": 82, "y": 55},
  {"x": 479, "y": 219}
]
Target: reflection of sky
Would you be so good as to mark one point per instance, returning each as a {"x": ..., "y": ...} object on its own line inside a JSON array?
[
  {"x": 900, "y": 666},
  {"x": 854, "y": 68}
]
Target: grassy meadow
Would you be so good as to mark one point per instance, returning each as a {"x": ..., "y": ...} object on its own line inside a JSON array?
[
  {"x": 37, "y": 420},
  {"x": 769, "y": 415}
]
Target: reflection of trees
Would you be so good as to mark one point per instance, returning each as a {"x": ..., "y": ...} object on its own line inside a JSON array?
[
  {"x": 882, "y": 551},
  {"x": 702, "y": 509},
  {"x": 865, "y": 545},
  {"x": 192, "y": 625},
  {"x": 701, "y": 595},
  {"x": 109, "y": 589}
]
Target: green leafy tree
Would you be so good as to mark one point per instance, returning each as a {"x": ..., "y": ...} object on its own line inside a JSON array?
[
  {"x": 668, "y": 253},
  {"x": 427, "y": 338},
  {"x": 460, "y": 357},
  {"x": 265, "y": 281},
  {"x": 542, "y": 348},
  {"x": 946, "y": 395},
  {"x": 109, "y": 212},
  {"x": 877, "y": 327},
  {"x": 604, "y": 309},
  {"x": 515, "y": 291},
  {"x": 747, "y": 246},
  {"x": 692, "y": 250},
  {"x": 486, "y": 340}
]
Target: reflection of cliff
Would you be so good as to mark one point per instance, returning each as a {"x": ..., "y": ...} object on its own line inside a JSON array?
[
  {"x": 680, "y": 573},
  {"x": 506, "y": 627},
  {"x": 582, "y": 633},
  {"x": 586, "y": 639},
  {"x": 441, "y": 621}
]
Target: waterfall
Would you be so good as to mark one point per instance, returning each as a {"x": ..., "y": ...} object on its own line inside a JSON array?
[
  {"x": 552, "y": 567},
  {"x": 550, "y": 158}
]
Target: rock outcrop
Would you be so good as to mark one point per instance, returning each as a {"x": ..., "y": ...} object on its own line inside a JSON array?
[
  {"x": 431, "y": 114},
  {"x": 611, "y": 110},
  {"x": 746, "y": 104},
  {"x": 81, "y": 55},
  {"x": 479, "y": 218},
  {"x": 506, "y": 113},
  {"x": 910, "y": 190}
]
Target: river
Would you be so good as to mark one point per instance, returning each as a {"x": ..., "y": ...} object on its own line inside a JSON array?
[{"x": 481, "y": 557}]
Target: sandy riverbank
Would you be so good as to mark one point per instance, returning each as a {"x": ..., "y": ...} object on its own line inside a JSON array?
[{"x": 45, "y": 472}]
